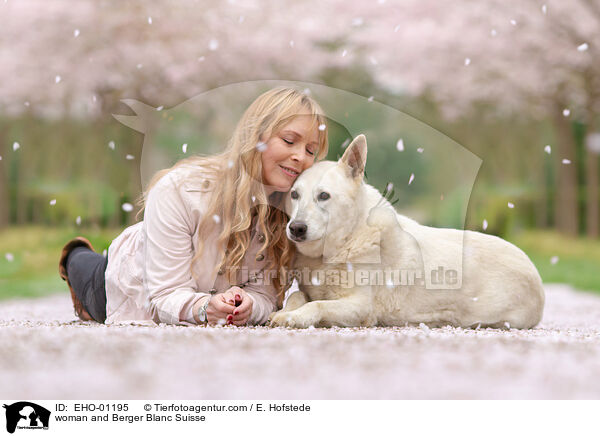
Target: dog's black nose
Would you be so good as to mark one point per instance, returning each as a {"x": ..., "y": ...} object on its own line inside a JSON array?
[{"x": 298, "y": 230}]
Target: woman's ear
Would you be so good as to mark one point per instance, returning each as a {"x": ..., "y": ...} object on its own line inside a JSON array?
[{"x": 355, "y": 156}]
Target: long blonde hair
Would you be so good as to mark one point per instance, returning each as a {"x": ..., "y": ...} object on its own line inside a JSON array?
[{"x": 238, "y": 187}]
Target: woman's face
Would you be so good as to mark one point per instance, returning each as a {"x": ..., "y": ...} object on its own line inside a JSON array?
[{"x": 289, "y": 152}]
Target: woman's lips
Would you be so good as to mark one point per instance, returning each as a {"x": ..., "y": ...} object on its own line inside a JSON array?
[{"x": 289, "y": 172}]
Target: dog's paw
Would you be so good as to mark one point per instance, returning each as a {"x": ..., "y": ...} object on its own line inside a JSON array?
[{"x": 289, "y": 319}]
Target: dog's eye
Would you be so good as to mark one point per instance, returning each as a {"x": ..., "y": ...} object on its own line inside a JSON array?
[
  {"x": 323, "y": 196},
  {"x": 294, "y": 195}
]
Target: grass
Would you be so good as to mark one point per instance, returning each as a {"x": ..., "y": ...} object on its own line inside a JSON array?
[
  {"x": 578, "y": 258},
  {"x": 33, "y": 270}
]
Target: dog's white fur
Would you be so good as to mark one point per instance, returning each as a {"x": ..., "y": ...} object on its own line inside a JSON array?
[{"x": 356, "y": 228}]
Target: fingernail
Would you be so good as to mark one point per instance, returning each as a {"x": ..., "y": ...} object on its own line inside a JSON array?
[
  {"x": 231, "y": 302},
  {"x": 236, "y": 312},
  {"x": 238, "y": 296},
  {"x": 229, "y": 317}
]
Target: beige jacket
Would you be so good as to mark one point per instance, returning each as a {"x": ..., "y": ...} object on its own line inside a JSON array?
[{"x": 148, "y": 277}]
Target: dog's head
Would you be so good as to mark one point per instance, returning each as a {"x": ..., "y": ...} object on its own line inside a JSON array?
[{"x": 322, "y": 202}]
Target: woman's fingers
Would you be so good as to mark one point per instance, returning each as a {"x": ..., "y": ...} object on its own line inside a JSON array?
[{"x": 242, "y": 313}]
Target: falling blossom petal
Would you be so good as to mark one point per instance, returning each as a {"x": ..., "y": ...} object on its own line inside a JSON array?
[
  {"x": 566, "y": 162},
  {"x": 160, "y": 108},
  {"x": 213, "y": 45},
  {"x": 201, "y": 59},
  {"x": 389, "y": 282},
  {"x": 507, "y": 324},
  {"x": 370, "y": 99},
  {"x": 345, "y": 143},
  {"x": 139, "y": 66},
  {"x": 400, "y": 145},
  {"x": 566, "y": 112},
  {"x": 511, "y": 205},
  {"x": 127, "y": 207},
  {"x": 474, "y": 298},
  {"x": 396, "y": 28},
  {"x": 241, "y": 19},
  {"x": 467, "y": 62},
  {"x": 322, "y": 127},
  {"x": 26, "y": 103},
  {"x": 292, "y": 43},
  {"x": 216, "y": 218},
  {"x": 548, "y": 149},
  {"x": 184, "y": 148},
  {"x": 130, "y": 157},
  {"x": 229, "y": 163},
  {"x": 76, "y": 33},
  {"x": 315, "y": 280},
  {"x": 544, "y": 9},
  {"x": 493, "y": 32},
  {"x": 420, "y": 150},
  {"x": 411, "y": 178},
  {"x": 358, "y": 21},
  {"x": 389, "y": 187},
  {"x": 0, "y": 157},
  {"x": 111, "y": 145},
  {"x": 513, "y": 22},
  {"x": 16, "y": 146},
  {"x": 344, "y": 53},
  {"x": 253, "y": 199},
  {"x": 485, "y": 224},
  {"x": 9, "y": 257},
  {"x": 261, "y": 146},
  {"x": 149, "y": 20},
  {"x": 78, "y": 220},
  {"x": 53, "y": 202},
  {"x": 57, "y": 79},
  {"x": 104, "y": 252},
  {"x": 373, "y": 60},
  {"x": 554, "y": 260},
  {"x": 349, "y": 266},
  {"x": 582, "y": 47}
]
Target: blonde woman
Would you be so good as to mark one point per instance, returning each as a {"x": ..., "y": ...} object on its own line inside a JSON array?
[{"x": 212, "y": 246}]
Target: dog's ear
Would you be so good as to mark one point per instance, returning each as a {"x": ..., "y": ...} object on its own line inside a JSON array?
[{"x": 355, "y": 156}]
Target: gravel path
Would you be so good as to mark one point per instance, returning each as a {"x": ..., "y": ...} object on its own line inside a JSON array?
[{"x": 46, "y": 354}]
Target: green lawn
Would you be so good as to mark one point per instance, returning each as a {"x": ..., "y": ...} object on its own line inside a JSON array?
[
  {"x": 35, "y": 251},
  {"x": 33, "y": 271},
  {"x": 578, "y": 258}
]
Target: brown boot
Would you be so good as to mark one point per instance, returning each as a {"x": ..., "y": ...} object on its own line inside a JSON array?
[{"x": 79, "y": 241}]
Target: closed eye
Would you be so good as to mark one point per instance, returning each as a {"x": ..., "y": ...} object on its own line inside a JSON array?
[{"x": 287, "y": 142}]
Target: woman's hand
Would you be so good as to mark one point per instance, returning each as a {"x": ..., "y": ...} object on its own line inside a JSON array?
[
  {"x": 221, "y": 306},
  {"x": 242, "y": 304}
]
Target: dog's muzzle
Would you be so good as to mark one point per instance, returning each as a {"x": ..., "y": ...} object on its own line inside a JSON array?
[{"x": 298, "y": 231}]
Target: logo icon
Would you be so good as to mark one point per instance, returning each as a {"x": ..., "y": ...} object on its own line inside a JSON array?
[{"x": 26, "y": 415}]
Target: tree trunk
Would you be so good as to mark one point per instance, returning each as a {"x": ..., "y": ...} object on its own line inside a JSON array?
[
  {"x": 565, "y": 205},
  {"x": 592, "y": 218}
]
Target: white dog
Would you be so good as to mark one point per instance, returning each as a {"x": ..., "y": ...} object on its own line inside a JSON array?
[{"x": 359, "y": 263}]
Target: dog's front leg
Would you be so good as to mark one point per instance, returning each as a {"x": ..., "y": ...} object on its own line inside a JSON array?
[
  {"x": 352, "y": 311},
  {"x": 294, "y": 301}
]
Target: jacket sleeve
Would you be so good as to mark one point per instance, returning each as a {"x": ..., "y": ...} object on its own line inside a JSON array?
[
  {"x": 264, "y": 297},
  {"x": 168, "y": 231}
]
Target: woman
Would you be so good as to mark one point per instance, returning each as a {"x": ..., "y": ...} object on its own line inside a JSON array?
[{"x": 212, "y": 246}]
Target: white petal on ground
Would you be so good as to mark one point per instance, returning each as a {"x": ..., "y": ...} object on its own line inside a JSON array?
[
  {"x": 411, "y": 178},
  {"x": 554, "y": 260},
  {"x": 16, "y": 146},
  {"x": 566, "y": 162},
  {"x": 507, "y": 324},
  {"x": 583, "y": 47},
  {"x": 111, "y": 145},
  {"x": 127, "y": 207},
  {"x": 261, "y": 146},
  {"x": 511, "y": 205},
  {"x": 130, "y": 157},
  {"x": 53, "y": 202},
  {"x": 184, "y": 148},
  {"x": 548, "y": 149},
  {"x": 485, "y": 224},
  {"x": 400, "y": 145}
]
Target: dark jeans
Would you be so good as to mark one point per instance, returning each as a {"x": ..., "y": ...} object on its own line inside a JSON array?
[{"x": 85, "y": 270}]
